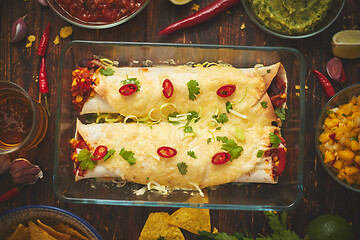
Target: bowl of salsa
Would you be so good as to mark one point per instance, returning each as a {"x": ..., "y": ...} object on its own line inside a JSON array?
[{"x": 97, "y": 14}]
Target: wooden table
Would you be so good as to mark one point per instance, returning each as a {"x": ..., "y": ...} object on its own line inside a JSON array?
[{"x": 321, "y": 193}]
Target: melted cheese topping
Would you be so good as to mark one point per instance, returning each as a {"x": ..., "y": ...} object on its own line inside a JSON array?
[{"x": 144, "y": 140}]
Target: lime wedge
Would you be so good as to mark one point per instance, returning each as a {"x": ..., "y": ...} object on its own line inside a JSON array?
[
  {"x": 346, "y": 44},
  {"x": 180, "y": 2}
]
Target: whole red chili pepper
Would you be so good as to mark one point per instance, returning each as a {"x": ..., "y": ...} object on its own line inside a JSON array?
[
  {"x": 203, "y": 15},
  {"x": 44, "y": 42},
  {"x": 12, "y": 193},
  {"x": 43, "y": 83},
  {"x": 325, "y": 83}
]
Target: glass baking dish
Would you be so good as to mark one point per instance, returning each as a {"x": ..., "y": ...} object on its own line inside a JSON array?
[{"x": 285, "y": 195}]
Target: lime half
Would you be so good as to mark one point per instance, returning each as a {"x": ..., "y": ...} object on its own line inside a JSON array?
[
  {"x": 346, "y": 44},
  {"x": 180, "y": 2}
]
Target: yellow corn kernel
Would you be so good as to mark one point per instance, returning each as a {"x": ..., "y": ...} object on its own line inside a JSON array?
[
  {"x": 338, "y": 164},
  {"x": 357, "y": 159},
  {"x": 331, "y": 122},
  {"x": 324, "y": 137},
  {"x": 354, "y": 145},
  {"x": 346, "y": 155},
  {"x": 329, "y": 157},
  {"x": 79, "y": 98},
  {"x": 351, "y": 170}
]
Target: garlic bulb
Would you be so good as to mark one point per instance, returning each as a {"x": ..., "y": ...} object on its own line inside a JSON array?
[
  {"x": 4, "y": 163},
  {"x": 24, "y": 172}
]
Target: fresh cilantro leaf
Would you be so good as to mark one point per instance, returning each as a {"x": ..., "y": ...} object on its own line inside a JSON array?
[
  {"x": 264, "y": 104},
  {"x": 193, "y": 89},
  {"x": 281, "y": 113},
  {"x": 106, "y": 71},
  {"x": 109, "y": 154},
  {"x": 274, "y": 140},
  {"x": 354, "y": 138},
  {"x": 268, "y": 71},
  {"x": 231, "y": 147},
  {"x": 132, "y": 81},
  {"x": 128, "y": 156},
  {"x": 222, "y": 118},
  {"x": 192, "y": 115},
  {"x": 191, "y": 154},
  {"x": 218, "y": 128},
  {"x": 260, "y": 153},
  {"x": 173, "y": 115},
  {"x": 84, "y": 157},
  {"x": 208, "y": 140},
  {"x": 188, "y": 129},
  {"x": 182, "y": 167},
  {"x": 228, "y": 106}
]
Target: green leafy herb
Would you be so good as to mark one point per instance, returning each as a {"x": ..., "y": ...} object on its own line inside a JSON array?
[
  {"x": 231, "y": 147},
  {"x": 208, "y": 140},
  {"x": 274, "y": 140},
  {"x": 109, "y": 154},
  {"x": 160, "y": 238},
  {"x": 192, "y": 115},
  {"x": 222, "y": 118},
  {"x": 268, "y": 71},
  {"x": 191, "y": 154},
  {"x": 354, "y": 138},
  {"x": 260, "y": 153},
  {"x": 228, "y": 106},
  {"x": 173, "y": 115},
  {"x": 188, "y": 129},
  {"x": 128, "y": 156},
  {"x": 132, "y": 81},
  {"x": 193, "y": 89},
  {"x": 182, "y": 167},
  {"x": 264, "y": 104},
  {"x": 280, "y": 112},
  {"x": 218, "y": 128},
  {"x": 84, "y": 157},
  {"x": 106, "y": 71}
]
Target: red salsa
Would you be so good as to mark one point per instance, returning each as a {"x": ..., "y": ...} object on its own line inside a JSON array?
[{"x": 107, "y": 11}]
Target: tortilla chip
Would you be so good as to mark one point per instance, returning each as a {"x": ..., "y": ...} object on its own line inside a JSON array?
[
  {"x": 53, "y": 232},
  {"x": 37, "y": 233},
  {"x": 157, "y": 225},
  {"x": 191, "y": 219},
  {"x": 66, "y": 229},
  {"x": 21, "y": 233}
]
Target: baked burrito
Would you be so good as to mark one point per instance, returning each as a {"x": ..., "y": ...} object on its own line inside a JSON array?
[{"x": 183, "y": 127}]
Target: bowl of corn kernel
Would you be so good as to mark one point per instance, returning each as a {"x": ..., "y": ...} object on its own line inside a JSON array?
[{"x": 338, "y": 137}]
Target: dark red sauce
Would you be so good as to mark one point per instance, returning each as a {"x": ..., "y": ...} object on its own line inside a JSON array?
[{"x": 107, "y": 11}]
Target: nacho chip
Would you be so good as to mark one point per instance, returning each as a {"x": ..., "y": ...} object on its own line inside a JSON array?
[
  {"x": 191, "y": 219},
  {"x": 21, "y": 233},
  {"x": 37, "y": 233},
  {"x": 53, "y": 232},
  {"x": 60, "y": 227},
  {"x": 157, "y": 226}
]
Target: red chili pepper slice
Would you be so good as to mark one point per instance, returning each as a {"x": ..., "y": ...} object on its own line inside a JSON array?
[
  {"x": 166, "y": 152},
  {"x": 168, "y": 88},
  {"x": 99, "y": 152},
  {"x": 226, "y": 90},
  {"x": 280, "y": 152},
  {"x": 128, "y": 89},
  {"x": 220, "y": 158}
]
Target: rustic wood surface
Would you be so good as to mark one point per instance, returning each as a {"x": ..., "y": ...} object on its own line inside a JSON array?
[{"x": 321, "y": 193}]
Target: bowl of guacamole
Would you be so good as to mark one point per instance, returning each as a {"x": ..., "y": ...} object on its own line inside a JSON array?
[{"x": 293, "y": 18}]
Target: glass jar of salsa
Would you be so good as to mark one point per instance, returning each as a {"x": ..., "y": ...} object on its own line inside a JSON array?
[{"x": 106, "y": 11}]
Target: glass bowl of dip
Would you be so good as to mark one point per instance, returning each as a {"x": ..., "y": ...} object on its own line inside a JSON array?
[
  {"x": 295, "y": 20},
  {"x": 104, "y": 15},
  {"x": 332, "y": 139}
]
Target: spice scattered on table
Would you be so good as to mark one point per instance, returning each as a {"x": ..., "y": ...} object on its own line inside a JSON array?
[
  {"x": 31, "y": 39},
  {"x": 66, "y": 32}
]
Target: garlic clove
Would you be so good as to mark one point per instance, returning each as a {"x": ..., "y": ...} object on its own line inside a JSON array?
[
  {"x": 24, "y": 172},
  {"x": 4, "y": 163}
]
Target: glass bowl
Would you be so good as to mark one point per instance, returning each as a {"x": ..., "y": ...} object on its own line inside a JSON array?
[
  {"x": 338, "y": 99},
  {"x": 330, "y": 17},
  {"x": 46, "y": 214},
  {"x": 285, "y": 195},
  {"x": 53, "y": 4}
]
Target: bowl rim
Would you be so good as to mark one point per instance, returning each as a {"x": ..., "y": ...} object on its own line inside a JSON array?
[
  {"x": 281, "y": 35},
  {"x": 97, "y": 26},
  {"x": 56, "y": 209},
  {"x": 319, "y": 131}
]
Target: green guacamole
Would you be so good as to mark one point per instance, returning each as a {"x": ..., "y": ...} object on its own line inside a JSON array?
[{"x": 291, "y": 16}]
